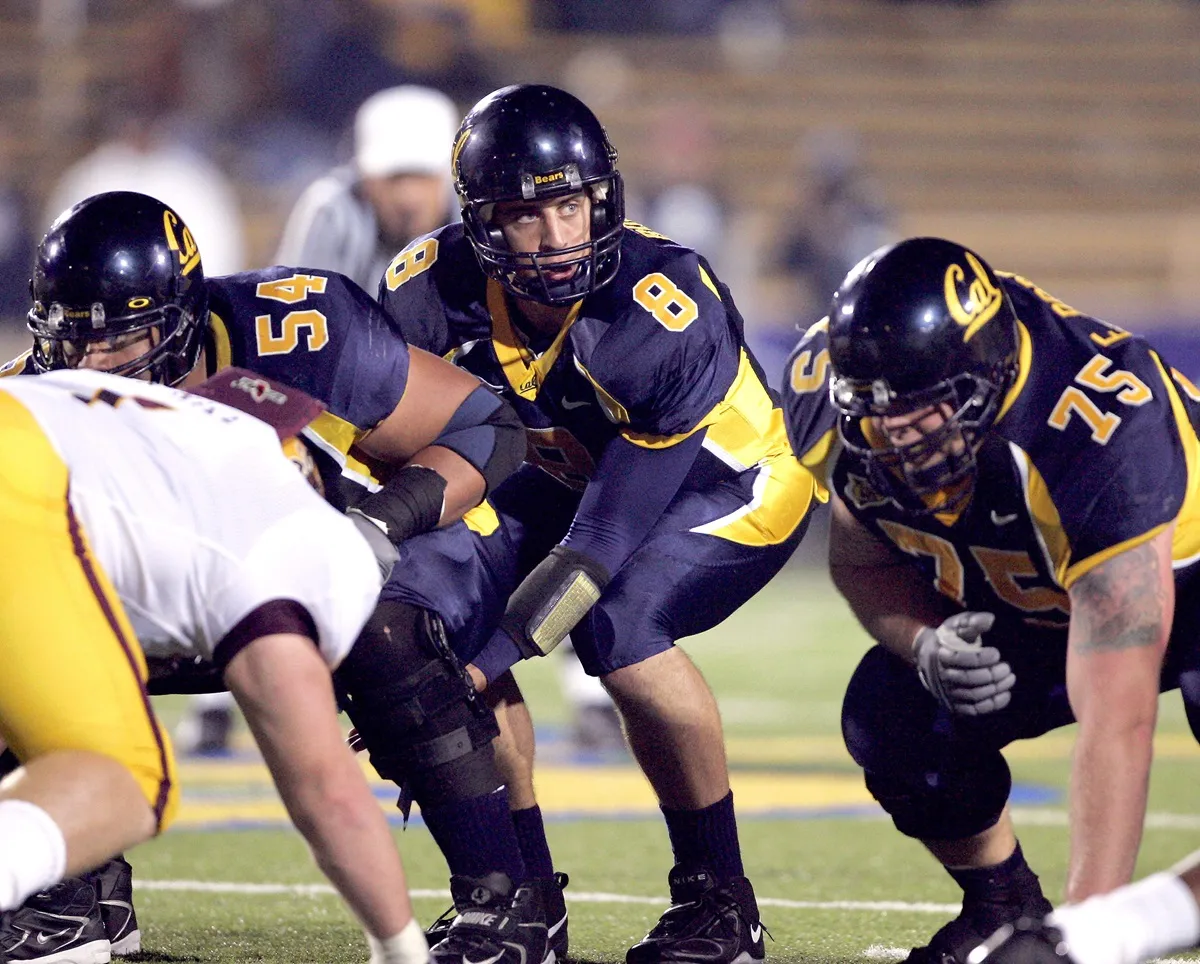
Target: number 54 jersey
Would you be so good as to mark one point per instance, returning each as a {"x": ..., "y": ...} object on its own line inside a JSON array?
[
  {"x": 1094, "y": 451},
  {"x": 316, "y": 331}
]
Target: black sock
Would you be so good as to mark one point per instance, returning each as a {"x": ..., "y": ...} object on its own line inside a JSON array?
[
  {"x": 707, "y": 838},
  {"x": 992, "y": 894},
  {"x": 8, "y": 762},
  {"x": 477, "y": 836},
  {"x": 531, "y": 835}
]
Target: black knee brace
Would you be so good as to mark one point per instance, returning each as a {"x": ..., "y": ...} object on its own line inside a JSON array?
[
  {"x": 956, "y": 805},
  {"x": 416, "y": 710}
]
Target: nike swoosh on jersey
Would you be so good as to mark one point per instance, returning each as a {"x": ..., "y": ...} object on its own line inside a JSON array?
[
  {"x": 568, "y": 404},
  {"x": 1002, "y": 520}
]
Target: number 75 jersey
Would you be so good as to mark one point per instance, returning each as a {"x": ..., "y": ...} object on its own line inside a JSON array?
[{"x": 1094, "y": 451}]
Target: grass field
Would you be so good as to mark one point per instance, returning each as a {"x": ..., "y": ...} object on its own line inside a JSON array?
[{"x": 836, "y": 882}]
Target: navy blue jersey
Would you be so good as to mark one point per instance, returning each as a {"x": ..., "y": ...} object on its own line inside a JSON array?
[
  {"x": 1094, "y": 450},
  {"x": 653, "y": 357},
  {"x": 321, "y": 333}
]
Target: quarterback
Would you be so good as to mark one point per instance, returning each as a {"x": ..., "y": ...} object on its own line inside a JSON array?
[{"x": 659, "y": 491}]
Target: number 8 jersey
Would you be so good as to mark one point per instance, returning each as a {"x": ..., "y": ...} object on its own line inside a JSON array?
[{"x": 1094, "y": 450}]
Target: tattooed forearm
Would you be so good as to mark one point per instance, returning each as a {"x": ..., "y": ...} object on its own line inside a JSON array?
[{"x": 1121, "y": 604}]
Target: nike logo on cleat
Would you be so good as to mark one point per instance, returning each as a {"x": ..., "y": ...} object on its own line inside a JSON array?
[
  {"x": 755, "y": 933},
  {"x": 42, "y": 938},
  {"x": 487, "y": 960}
]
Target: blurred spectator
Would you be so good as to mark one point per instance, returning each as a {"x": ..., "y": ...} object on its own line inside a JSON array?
[
  {"x": 143, "y": 156},
  {"x": 16, "y": 241},
  {"x": 631, "y": 16},
  {"x": 680, "y": 195},
  {"x": 398, "y": 187},
  {"x": 841, "y": 220},
  {"x": 432, "y": 46},
  {"x": 331, "y": 55}
]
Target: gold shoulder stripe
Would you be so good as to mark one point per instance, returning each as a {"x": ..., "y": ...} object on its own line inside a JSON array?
[
  {"x": 1024, "y": 364},
  {"x": 17, "y": 365},
  {"x": 220, "y": 337}
]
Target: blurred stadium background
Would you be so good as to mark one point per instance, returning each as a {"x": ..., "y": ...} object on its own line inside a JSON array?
[
  {"x": 1061, "y": 138},
  {"x": 785, "y": 139}
]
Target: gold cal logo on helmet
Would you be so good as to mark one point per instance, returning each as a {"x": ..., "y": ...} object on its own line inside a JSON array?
[
  {"x": 457, "y": 149},
  {"x": 983, "y": 297},
  {"x": 189, "y": 254}
]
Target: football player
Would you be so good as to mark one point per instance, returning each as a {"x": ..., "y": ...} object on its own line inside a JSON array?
[
  {"x": 658, "y": 495},
  {"x": 407, "y": 442},
  {"x": 1016, "y": 515},
  {"x": 140, "y": 521}
]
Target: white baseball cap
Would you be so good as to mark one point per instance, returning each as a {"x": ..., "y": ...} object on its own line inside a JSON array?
[{"x": 405, "y": 130}]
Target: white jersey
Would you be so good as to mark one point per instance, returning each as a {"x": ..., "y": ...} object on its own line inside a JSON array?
[{"x": 196, "y": 515}]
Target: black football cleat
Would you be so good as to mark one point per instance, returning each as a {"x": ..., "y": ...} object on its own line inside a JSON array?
[
  {"x": 957, "y": 939},
  {"x": 555, "y": 907},
  {"x": 1027, "y": 941},
  {"x": 551, "y": 889},
  {"x": 61, "y": 925},
  {"x": 114, "y": 893},
  {"x": 495, "y": 924},
  {"x": 710, "y": 921}
]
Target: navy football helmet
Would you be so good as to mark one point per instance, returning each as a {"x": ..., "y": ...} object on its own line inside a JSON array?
[
  {"x": 921, "y": 325},
  {"x": 117, "y": 267},
  {"x": 531, "y": 142}
]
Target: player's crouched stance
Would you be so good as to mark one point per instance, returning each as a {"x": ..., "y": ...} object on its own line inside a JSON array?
[{"x": 137, "y": 520}]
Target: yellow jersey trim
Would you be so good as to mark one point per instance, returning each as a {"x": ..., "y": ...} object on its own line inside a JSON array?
[
  {"x": 524, "y": 372},
  {"x": 1024, "y": 364},
  {"x": 221, "y": 344}
]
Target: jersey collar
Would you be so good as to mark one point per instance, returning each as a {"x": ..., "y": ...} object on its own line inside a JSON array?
[{"x": 525, "y": 372}]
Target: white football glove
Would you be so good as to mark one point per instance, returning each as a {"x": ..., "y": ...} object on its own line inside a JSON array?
[
  {"x": 385, "y": 552},
  {"x": 965, "y": 676}
]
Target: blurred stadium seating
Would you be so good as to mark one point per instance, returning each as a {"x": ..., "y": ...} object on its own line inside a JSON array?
[{"x": 1061, "y": 138}]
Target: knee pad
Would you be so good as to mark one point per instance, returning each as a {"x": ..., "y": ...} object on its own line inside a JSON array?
[
  {"x": 934, "y": 785},
  {"x": 416, "y": 710},
  {"x": 948, "y": 804}
]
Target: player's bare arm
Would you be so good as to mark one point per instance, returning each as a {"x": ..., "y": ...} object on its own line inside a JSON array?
[
  {"x": 890, "y": 598},
  {"x": 439, "y": 400},
  {"x": 284, "y": 689},
  {"x": 1120, "y": 619},
  {"x": 435, "y": 390}
]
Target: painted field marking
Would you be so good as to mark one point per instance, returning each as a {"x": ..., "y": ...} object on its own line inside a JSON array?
[{"x": 582, "y": 897}]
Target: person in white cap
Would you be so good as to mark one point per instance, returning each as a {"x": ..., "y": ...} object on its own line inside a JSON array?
[{"x": 356, "y": 217}]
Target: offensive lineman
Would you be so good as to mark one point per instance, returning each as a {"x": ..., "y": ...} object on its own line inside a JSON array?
[{"x": 1016, "y": 521}]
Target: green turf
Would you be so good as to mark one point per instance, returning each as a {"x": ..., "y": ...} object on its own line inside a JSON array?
[{"x": 778, "y": 668}]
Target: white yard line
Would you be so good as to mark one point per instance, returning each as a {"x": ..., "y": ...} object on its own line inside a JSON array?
[{"x": 582, "y": 897}]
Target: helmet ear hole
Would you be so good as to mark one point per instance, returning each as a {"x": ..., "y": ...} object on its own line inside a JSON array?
[{"x": 600, "y": 225}]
